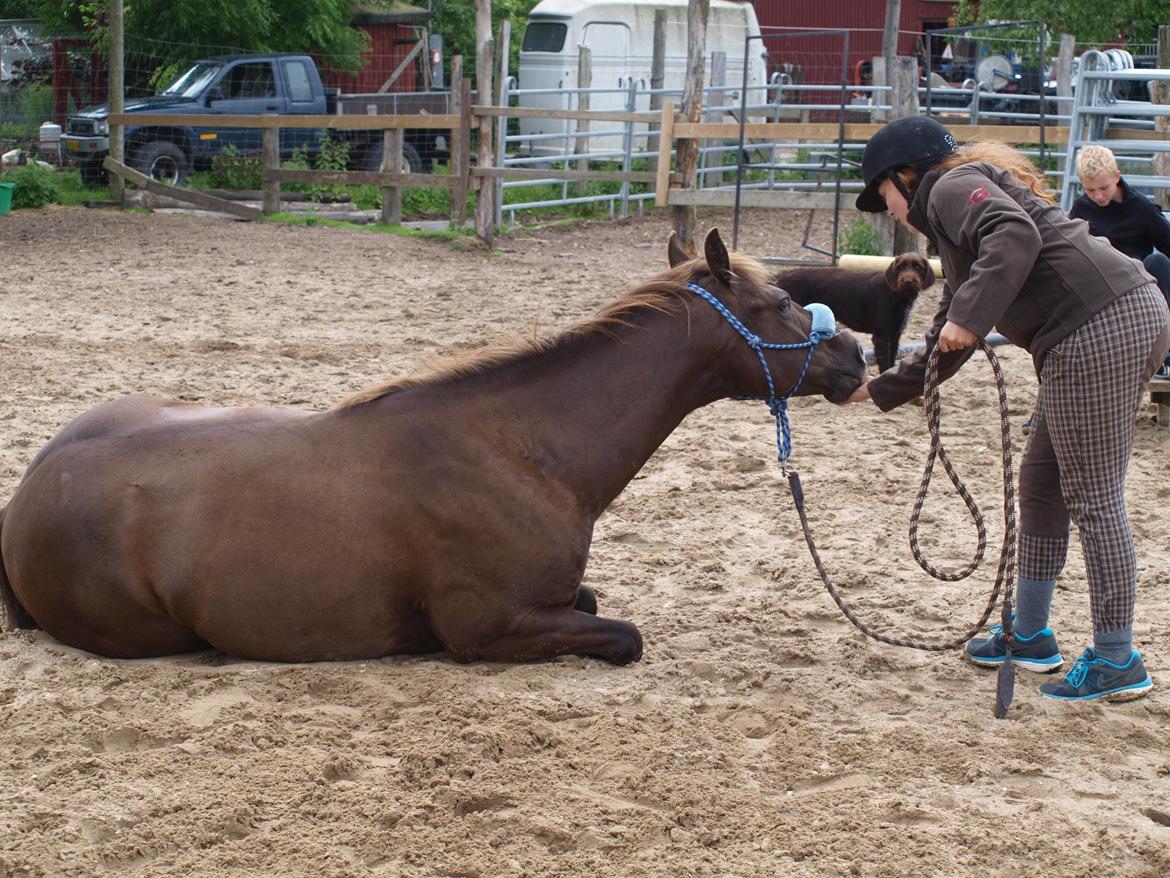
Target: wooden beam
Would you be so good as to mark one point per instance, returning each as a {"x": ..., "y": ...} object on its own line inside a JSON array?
[
  {"x": 593, "y": 115},
  {"x": 859, "y": 131},
  {"x": 385, "y": 86},
  {"x": 563, "y": 174},
  {"x": 351, "y": 123},
  {"x": 362, "y": 178},
  {"x": 190, "y": 196},
  {"x": 761, "y": 198}
]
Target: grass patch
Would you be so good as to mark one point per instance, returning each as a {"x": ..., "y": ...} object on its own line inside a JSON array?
[{"x": 298, "y": 219}]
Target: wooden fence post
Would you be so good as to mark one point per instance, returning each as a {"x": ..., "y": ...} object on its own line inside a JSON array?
[
  {"x": 485, "y": 210},
  {"x": 662, "y": 171},
  {"x": 584, "y": 80},
  {"x": 1160, "y": 94},
  {"x": 392, "y": 163},
  {"x": 460, "y": 142},
  {"x": 685, "y": 215},
  {"x": 657, "y": 78},
  {"x": 117, "y": 95},
  {"x": 716, "y": 101},
  {"x": 270, "y": 142},
  {"x": 1064, "y": 62}
]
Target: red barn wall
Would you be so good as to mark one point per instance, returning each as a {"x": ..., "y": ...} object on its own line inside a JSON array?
[
  {"x": 819, "y": 57},
  {"x": 389, "y": 44}
]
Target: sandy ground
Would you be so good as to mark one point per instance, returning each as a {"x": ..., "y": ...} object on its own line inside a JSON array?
[{"x": 761, "y": 735}]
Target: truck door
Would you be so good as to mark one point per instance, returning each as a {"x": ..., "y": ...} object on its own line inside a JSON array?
[
  {"x": 306, "y": 97},
  {"x": 245, "y": 89}
]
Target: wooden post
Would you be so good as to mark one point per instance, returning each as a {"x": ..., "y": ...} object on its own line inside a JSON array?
[
  {"x": 1160, "y": 94},
  {"x": 581, "y": 144},
  {"x": 270, "y": 143},
  {"x": 903, "y": 79},
  {"x": 485, "y": 202},
  {"x": 460, "y": 142},
  {"x": 718, "y": 99},
  {"x": 890, "y": 32},
  {"x": 117, "y": 94},
  {"x": 662, "y": 180},
  {"x": 392, "y": 162},
  {"x": 657, "y": 78},
  {"x": 1064, "y": 64},
  {"x": 685, "y": 215}
]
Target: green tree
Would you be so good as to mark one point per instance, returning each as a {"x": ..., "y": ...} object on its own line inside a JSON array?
[
  {"x": 455, "y": 20},
  {"x": 1090, "y": 21},
  {"x": 183, "y": 29}
]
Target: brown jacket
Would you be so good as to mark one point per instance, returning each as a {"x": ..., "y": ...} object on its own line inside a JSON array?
[{"x": 1012, "y": 262}]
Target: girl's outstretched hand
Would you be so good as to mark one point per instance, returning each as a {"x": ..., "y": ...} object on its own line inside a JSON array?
[{"x": 860, "y": 394}]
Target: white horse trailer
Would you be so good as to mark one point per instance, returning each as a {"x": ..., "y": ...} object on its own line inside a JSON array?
[{"x": 620, "y": 37}]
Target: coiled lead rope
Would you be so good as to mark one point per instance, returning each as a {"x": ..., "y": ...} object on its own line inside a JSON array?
[{"x": 1005, "y": 574}]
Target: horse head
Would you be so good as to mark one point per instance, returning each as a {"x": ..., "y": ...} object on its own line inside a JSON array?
[{"x": 740, "y": 283}]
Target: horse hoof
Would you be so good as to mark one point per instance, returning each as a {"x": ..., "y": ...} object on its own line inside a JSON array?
[{"x": 586, "y": 601}]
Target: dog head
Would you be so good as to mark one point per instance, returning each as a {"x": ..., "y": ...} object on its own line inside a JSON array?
[{"x": 909, "y": 274}]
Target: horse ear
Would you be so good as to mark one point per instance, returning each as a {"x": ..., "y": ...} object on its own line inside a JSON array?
[
  {"x": 676, "y": 253},
  {"x": 718, "y": 261}
]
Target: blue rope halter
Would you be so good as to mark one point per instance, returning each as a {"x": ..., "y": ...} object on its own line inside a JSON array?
[{"x": 824, "y": 326}]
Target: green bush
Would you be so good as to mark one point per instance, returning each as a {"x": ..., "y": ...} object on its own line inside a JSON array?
[
  {"x": 860, "y": 238},
  {"x": 230, "y": 170},
  {"x": 35, "y": 186}
]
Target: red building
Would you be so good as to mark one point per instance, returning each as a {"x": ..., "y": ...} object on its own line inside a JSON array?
[
  {"x": 816, "y": 59},
  {"x": 392, "y": 34}
]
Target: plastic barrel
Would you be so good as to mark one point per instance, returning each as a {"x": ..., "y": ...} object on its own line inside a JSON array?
[{"x": 6, "y": 197}]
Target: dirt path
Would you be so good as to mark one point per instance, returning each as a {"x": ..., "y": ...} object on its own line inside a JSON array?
[{"x": 760, "y": 735}]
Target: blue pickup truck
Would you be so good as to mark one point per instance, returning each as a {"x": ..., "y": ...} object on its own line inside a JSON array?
[{"x": 244, "y": 85}]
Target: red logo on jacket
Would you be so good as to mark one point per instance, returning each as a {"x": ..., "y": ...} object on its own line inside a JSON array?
[{"x": 979, "y": 195}]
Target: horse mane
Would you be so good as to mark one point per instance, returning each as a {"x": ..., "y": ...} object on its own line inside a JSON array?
[{"x": 664, "y": 293}]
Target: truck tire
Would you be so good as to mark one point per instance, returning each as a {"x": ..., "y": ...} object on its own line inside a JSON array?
[
  {"x": 370, "y": 159},
  {"x": 93, "y": 174},
  {"x": 161, "y": 160}
]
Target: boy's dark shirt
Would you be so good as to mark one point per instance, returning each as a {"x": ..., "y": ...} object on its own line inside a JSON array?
[{"x": 1134, "y": 225}]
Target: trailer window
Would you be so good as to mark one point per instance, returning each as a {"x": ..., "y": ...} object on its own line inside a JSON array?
[{"x": 544, "y": 36}]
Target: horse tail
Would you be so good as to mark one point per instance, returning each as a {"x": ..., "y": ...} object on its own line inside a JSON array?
[{"x": 12, "y": 614}]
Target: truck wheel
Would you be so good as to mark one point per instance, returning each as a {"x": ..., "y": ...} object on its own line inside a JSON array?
[
  {"x": 161, "y": 160},
  {"x": 93, "y": 174},
  {"x": 371, "y": 159}
]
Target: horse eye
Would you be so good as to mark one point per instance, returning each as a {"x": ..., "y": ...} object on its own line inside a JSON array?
[{"x": 785, "y": 302}]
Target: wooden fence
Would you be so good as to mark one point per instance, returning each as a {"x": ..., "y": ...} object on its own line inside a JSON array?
[{"x": 463, "y": 177}]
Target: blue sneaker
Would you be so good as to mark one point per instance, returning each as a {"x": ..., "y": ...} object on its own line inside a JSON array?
[
  {"x": 1038, "y": 652},
  {"x": 1094, "y": 677}
]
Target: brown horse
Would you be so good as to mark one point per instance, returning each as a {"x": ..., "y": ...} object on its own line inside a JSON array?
[{"x": 453, "y": 512}]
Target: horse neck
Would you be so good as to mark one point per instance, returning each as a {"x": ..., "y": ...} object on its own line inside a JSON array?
[
  {"x": 612, "y": 402},
  {"x": 590, "y": 412}
]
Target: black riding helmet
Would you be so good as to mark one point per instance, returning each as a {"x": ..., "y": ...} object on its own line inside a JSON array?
[{"x": 914, "y": 141}]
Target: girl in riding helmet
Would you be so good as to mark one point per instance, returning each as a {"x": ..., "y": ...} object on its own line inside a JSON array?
[{"x": 1096, "y": 326}]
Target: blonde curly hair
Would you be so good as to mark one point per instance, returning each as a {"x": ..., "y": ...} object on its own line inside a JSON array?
[
  {"x": 1006, "y": 158},
  {"x": 1096, "y": 161}
]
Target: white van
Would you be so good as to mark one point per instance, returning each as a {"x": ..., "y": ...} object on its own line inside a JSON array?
[{"x": 620, "y": 36}]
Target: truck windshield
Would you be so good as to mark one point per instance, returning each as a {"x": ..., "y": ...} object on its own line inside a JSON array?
[
  {"x": 192, "y": 83},
  {"x": 544, "y": 36}
]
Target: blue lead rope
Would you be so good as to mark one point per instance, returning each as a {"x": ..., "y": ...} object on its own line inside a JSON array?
[{"x": 823, "y": 326}]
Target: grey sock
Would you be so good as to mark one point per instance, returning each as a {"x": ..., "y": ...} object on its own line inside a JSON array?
[
  {"x": 1115, "y": 646},
  {"x": 1033, "y": 601}
]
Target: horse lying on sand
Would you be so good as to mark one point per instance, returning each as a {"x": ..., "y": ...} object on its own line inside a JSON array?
[{"x": 453, "y": 512}]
